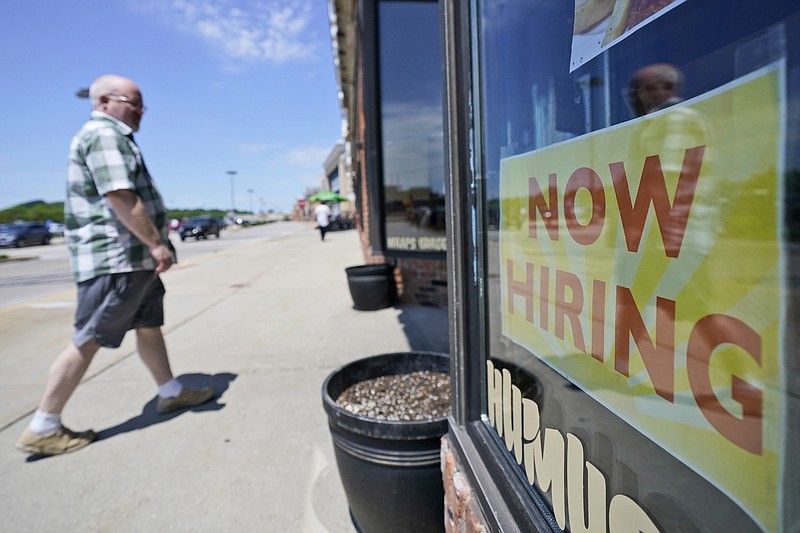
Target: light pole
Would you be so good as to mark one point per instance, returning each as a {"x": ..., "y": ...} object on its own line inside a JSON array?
[
  {"x": 232, "y": 173},
  {"x": 250, "y": 191}
]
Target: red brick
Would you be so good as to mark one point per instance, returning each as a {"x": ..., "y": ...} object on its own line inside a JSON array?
[{"x": 462, "y": 513}]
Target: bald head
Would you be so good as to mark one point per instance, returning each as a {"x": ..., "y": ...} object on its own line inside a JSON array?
[
  {"x": 655, "y": 86},
  {"x": 118, "y": 97},
  {"x": 108, "y": 84}
]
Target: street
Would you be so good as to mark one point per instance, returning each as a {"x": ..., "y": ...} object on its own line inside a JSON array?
[
  {"x": 263, "y": 315},
  {"x": 37, "y": 272}
]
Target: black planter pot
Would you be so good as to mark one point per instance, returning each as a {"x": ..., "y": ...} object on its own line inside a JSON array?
[
  {"x": 371, "y": 286},
  {"x": 390, "y": 470}
]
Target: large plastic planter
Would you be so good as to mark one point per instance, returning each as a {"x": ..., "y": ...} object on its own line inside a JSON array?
[
  {"x": 371, "y": 286},
  {"x": 390, "y": 470}
]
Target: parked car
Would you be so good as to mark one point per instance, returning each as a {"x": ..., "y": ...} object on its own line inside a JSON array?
[
  {"x": 56, "y": 228},
  {"x": 23, "y": 234},
  {"x": 201, "y": 227}
]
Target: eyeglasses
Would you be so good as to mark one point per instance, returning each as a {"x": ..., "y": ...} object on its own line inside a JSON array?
[{"x": 126, "y": 100}]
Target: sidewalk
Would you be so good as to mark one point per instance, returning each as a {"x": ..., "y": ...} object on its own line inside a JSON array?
[{"x": 265, "y": 322}]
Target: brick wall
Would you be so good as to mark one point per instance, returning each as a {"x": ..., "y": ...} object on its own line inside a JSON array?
[
  {"x": 423, "y": 281},
  {"x": 461, "y": 511}
]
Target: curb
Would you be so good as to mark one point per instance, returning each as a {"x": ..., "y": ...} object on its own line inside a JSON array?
[{"x": 6, "y": 259}]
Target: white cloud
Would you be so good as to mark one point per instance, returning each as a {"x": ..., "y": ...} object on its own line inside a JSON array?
[
  {"x": 273, "y": 31},
  {"x": 308, "y": 155},
  {"x": 305, "y": 156},
  {"x": 257, "y": 148}
]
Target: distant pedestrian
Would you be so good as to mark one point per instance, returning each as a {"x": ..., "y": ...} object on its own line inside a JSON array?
[
  {"x": 117, "y": 232},
  {"x": 323, "y": 215}
]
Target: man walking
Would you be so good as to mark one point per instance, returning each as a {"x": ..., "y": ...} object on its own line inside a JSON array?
[
  {"x": 118, "y": 240},
  {"x": 323, "y": 215}
]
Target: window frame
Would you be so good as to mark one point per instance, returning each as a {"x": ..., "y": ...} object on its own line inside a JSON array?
[
  {"x": 368, "y": 14},
  {"x": 507, "y": 501},
  {"x": 506, "y": 504}
]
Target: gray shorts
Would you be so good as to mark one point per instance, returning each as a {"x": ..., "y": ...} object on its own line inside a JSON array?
[{"x": 110, "y": 305}]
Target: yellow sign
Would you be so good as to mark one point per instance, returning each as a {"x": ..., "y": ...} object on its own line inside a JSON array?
[{"x": 644, "y": 263}]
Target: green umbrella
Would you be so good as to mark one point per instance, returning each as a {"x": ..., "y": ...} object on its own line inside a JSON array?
[{"x": 327, "y": 197}]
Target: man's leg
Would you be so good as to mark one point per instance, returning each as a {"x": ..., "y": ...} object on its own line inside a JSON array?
[
  {"x": 45, "y": 434},
  {"x": 65, "y": 374},
  {"x": 172, "y": 395},
  {"x": 153, "y": 352}
]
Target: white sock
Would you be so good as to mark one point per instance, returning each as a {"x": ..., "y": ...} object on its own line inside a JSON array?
[
  {"x": 170, "y": 389},
  {"x": 44, "y": 423}
]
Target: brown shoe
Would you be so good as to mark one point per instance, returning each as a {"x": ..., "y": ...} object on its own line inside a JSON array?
[
  {"x": 62, "y": 440},
  {"x": 187, "y": 398}
]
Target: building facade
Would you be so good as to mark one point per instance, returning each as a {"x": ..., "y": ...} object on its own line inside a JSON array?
[{"x": 622, "y": 214}]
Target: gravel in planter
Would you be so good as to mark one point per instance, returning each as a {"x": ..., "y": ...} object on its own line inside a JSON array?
[{"x": 413, "y": 396}]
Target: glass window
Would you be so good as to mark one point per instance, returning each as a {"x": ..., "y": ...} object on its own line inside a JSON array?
[
  {"x": 411, "y": 134},
  {"x": 333, "y": 181},
  {"x": 640, "y": 171}
]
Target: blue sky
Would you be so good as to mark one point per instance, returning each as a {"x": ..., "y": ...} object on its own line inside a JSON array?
[{"x": 229, "y": 85}]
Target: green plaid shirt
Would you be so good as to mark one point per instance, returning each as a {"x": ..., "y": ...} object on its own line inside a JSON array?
[{"x": 103, "y": 157}]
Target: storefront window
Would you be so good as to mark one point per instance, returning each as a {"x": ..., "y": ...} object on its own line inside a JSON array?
[
  {"x": 411, "y": 135},
  {"x": 333, "y": 181},
  {"x": 640, "y": 171}
]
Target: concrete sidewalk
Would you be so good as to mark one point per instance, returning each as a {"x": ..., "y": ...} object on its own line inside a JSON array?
[{"x": 264, "y": 321}]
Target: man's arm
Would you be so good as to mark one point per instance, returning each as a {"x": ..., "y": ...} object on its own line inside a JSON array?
[{"x": 130, "y": 210}]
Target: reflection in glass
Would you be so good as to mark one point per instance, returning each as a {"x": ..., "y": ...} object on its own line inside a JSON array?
[
  {"x": 529, "y": 101},
  {"x": 412, "y": 149}
]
